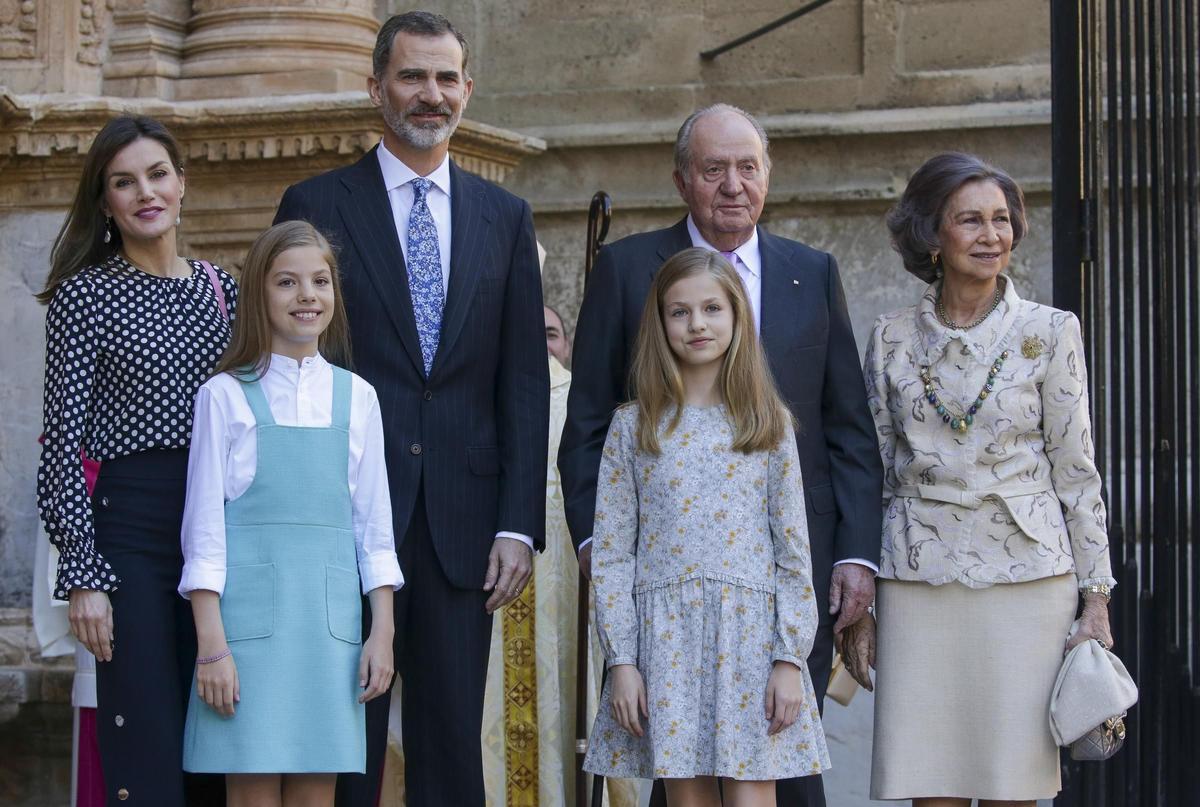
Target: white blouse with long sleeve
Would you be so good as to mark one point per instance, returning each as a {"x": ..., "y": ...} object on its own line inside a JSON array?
[
  {"x": 224, "y": 456},
  {"x": 1014, "y": 498}
]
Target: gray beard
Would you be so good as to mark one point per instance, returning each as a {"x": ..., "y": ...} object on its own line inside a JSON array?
[{"x": 418, "y": 136}]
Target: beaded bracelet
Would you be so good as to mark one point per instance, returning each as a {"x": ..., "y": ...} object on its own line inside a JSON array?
[{"x": 217, "y": 657}]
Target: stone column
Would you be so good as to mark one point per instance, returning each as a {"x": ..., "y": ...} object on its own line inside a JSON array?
[
  {"x": 245, "y": 48},
  {"x": 145, "y": 48}
]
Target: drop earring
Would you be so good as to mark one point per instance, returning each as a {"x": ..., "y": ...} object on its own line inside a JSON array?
[{"x": 107, "y": 229}]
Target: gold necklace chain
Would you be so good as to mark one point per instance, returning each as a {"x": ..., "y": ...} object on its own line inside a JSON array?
[{"x": 949, "y": 323}]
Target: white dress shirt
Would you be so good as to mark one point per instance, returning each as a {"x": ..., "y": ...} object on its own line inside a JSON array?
[
  {"x": 397, "y": 179},
  {"x": 748, "y": 263},
  {"x": 224, "y": 457}
]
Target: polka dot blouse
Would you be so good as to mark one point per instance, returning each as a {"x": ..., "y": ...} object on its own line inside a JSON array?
[{"x": 126, "y": 352}]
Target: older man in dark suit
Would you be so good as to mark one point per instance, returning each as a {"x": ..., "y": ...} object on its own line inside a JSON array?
[
  {"x": 444, "y": 298},
  {"x": 722, "y": 171}
]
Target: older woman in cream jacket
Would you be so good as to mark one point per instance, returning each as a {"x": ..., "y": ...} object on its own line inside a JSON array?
[{"x": 994, "y": 521}]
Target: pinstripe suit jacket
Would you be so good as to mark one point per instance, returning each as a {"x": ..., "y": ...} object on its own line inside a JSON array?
[{"x": 475, "y": 432}]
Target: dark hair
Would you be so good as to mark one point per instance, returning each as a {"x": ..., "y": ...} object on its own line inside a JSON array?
[
  {"x": 417, "y": 23},
  {"x": 251, "y": 343},
  {"x": 916, "y": 218},
  {"x": 683, "y": 138},
  {"x": 80, "y": 242}
]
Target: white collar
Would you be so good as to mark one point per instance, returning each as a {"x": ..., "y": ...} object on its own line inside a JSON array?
[
  {"x": 985, "y": 340},
  {"x": 747, "y": 253},
  {"x": 288, "y": 365},
  {"x": 396, "y": 173}
]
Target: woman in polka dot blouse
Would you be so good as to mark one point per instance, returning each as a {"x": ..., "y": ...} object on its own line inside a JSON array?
[{"x": 132, "y": 331}]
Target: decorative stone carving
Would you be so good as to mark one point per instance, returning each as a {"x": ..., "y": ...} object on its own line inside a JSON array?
[
  {"x": 18, "y": 29},
  {"x": 94, "y": 19},
  {"x": 240, "y": 153}
]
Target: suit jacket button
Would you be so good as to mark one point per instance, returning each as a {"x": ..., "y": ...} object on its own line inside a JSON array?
[
  {"x": 428, "y": 395},
  {"x": 119, "y": 720},
  {"x": 122, "y": 794},
  {"x": 414, "y": 449}
]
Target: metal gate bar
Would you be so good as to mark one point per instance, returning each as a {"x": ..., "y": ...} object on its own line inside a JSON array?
[{"x": 1126, "y": 136}]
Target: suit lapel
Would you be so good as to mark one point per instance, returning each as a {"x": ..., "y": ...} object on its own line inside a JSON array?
[
  {"x": 367, "y": 214},
  {"x": 783, "y": 295},
  {"x": 675, "y": 239},
  {"x": 470, "y": 218}
]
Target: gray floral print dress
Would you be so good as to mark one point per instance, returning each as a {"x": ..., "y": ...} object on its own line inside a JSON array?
[{"x": 703, "y": 579}]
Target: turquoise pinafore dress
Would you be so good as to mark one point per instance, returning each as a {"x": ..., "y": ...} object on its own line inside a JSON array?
[{"x": 291, "y": 608}]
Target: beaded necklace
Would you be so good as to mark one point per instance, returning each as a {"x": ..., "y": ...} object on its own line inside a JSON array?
[{"x": 959, "y": 421}]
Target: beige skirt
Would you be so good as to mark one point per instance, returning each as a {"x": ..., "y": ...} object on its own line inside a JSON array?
[{"x": 963, "y": 689}]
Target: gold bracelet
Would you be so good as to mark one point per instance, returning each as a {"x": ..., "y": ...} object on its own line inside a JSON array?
[{"x": 1103, "y": 589}]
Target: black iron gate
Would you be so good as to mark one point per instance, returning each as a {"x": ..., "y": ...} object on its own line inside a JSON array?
[{"x": 1127, "y": 260}]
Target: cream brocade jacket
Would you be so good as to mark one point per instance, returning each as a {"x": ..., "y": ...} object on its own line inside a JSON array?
[{"x": 1017, "y": 496}]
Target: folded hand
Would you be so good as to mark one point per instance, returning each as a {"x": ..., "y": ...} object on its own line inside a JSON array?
[{"x": 856, "y": 646}]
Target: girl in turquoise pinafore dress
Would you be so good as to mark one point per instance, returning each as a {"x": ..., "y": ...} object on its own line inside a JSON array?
[{"x": 287, "y": 519}]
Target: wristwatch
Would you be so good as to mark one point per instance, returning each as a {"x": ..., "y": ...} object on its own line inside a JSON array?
[{"x": 1103, "y": 589}]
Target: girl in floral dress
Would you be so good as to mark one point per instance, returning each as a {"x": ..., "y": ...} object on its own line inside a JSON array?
[{"x": 702, "y": 574}]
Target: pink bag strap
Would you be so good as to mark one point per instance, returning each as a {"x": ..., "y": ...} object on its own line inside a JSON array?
[{"x": 217, "y": 290}]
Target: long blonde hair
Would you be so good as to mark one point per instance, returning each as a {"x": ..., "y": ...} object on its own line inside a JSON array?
[
  {"x": 757, "y": 413},
  {"x": 249, "y": 352}
]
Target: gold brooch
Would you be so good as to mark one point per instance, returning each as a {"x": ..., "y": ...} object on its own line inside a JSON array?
[{"x": 1032, "y": 347}]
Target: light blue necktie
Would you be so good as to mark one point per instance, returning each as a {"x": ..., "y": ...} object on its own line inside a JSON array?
[{"x": 424, "y": 263}]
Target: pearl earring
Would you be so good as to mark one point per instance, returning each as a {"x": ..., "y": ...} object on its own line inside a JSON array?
[{"x": 107, "y": 229}]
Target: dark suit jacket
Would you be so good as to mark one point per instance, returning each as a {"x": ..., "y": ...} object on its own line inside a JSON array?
[
  {"x": 806, "y": 332},
  {"x": 475, "y": 432}
]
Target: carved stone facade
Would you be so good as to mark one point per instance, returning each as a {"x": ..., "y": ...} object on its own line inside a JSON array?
[{"x": 18, "y": 29}]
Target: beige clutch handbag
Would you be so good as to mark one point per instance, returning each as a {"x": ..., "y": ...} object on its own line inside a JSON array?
[
  {"x": 842, "y": 685},
  {"x": 1089, "y": 701}
]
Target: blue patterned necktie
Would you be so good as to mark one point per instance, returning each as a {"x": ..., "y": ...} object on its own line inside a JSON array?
[{"x": 424, "y": 264}]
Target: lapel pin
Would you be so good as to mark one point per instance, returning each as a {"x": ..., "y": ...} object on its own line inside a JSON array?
[
  {"x": 795, "y": 282},
  {"x": 1032, "y": 347}
]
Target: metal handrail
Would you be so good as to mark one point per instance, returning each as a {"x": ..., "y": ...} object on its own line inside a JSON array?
[{"x": 709, "y": 55}]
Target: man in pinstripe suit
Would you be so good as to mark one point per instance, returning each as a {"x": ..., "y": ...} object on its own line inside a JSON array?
[{"x": 442, "y": 289}]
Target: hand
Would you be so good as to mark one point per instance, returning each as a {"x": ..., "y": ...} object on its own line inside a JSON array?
[
  {"x": 851, "y": 590},
  {"x": 628, "y": 698},
  {"x": 856, "y": 646},
  {"x": 375, "y": 665},
  {"x": 91, "y": 619},
  {"x": 1093, "y": 623},
  {"x": 217, "y": 685},
  {"x": 585, "y": 561},
  {"x": 509, "y": 566},
  {"x": 784, "y": 697}
]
